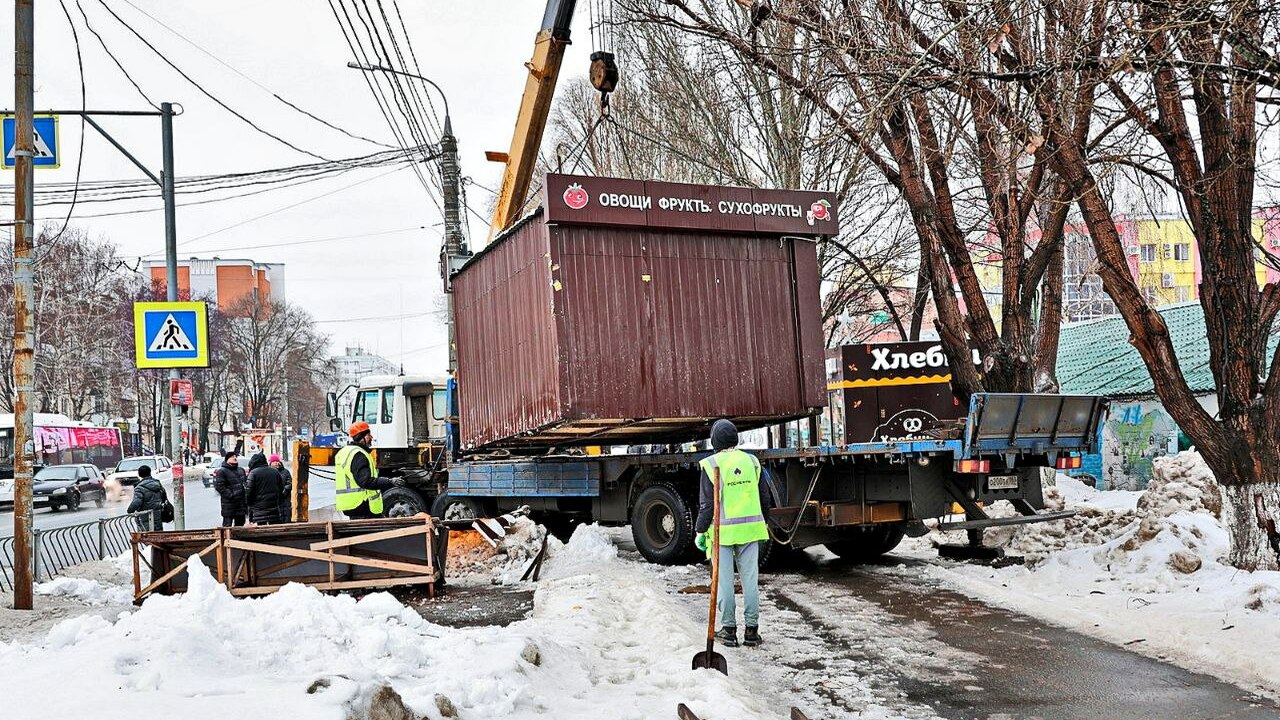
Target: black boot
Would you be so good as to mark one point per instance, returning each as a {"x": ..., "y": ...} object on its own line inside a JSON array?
[
  {"x": 752, "y": 637},
  {"x": 727, "y": 636}
]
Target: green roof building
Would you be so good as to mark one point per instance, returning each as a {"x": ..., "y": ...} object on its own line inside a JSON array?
[{"x": 1095, "y": 358}]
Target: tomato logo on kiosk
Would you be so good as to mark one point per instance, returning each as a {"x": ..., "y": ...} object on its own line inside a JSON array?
[
  {"x": 575, "y": 197},
  {"x": 820, "y": 210}
]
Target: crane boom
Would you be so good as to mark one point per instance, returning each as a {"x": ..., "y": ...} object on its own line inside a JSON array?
[{"x": 535, "y": 106}]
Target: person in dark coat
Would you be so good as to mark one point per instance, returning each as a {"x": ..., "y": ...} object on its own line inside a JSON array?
[
  {"x": 286, "y": 502},
  {"x": 229, "y": 481},
  {"x": 148, "y": 498},
  {"x": 264, "y": 492}
]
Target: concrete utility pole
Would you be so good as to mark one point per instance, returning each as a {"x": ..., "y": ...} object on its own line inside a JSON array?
[
  {"x": 171, "y": 294},
  {"x": 24, "y": 353},
  {"x": 451, "y": 181},
  {"x": 454, "y": 248}
]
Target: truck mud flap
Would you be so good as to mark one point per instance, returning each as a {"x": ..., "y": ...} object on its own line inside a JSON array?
[{"x": 1000, "y": 522}]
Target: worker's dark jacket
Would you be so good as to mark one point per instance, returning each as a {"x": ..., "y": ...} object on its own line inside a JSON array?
[
  {"x": 264, "y": 492},
  {"x": 364, "y": 478},
  {"x": 148, "y": 497},
  {"x": 706, "y": 500},
  {"x": 286, "y": 501},
  {"x": 229, "y": 483}
]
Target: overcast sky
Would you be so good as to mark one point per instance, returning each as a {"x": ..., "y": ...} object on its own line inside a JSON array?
[{"x": 386, "y": 266}]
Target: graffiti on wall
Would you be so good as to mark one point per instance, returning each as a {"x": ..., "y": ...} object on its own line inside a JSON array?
[{"x": 1133, "y": 437}]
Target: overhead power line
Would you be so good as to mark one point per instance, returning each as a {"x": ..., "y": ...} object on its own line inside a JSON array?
[
  {"x": 290, "y": 206},
  {"x": 114, "y": 59},
  {"x": 75, "y": 36},
  {"x": 309, "y": 241},
  {"x": 205, "y": 92},
  {"x": 257, "y": 84},
  {"x": 141, "y": 189},
  {"x": 351, "y": 36}
]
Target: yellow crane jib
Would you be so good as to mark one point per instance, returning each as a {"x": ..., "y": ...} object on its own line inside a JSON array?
[{"x": 535, "y": 106}]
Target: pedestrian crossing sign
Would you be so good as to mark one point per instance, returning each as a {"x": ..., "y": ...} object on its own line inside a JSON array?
[
  {"x": 171, "y": 334},
  {"x": 44, "y": 139}
]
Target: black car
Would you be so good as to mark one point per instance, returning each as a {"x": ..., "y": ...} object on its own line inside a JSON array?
[{"x": 60, "y": 486}]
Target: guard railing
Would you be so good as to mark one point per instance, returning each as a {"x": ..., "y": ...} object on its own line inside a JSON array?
[{"x": 56, "y": 549}]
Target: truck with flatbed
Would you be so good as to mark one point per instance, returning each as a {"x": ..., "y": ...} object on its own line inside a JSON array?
[
  {"x": 600, "y": 336},
  {"x": 857, "y": 499}
]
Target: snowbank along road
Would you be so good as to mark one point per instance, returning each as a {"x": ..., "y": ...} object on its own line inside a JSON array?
[{"x": 1120, "y": 630}]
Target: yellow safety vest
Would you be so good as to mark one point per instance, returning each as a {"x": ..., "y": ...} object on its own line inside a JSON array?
[
  {"x": 741, "y": 517},
  {"x": 347, "y": 494}
]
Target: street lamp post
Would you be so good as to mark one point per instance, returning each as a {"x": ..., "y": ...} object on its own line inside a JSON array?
[{"x": 454, "y": 248}]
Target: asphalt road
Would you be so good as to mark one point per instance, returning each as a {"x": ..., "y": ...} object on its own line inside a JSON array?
[
  {"x": 202, "y": 507},
  {"x": 1020, "y": 667}
]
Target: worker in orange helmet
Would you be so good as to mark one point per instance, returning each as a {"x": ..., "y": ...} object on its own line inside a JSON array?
[{"x": 357, "y": 487}]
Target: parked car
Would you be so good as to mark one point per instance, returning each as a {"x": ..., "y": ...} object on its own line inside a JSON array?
[
  {"x": 6, "y": 491},
  {"x": 126, "y": 472},
  {"x": 216, "y": 463},
  {"x": 66, "y": 486},
  {"x": 204, "y": 468}
]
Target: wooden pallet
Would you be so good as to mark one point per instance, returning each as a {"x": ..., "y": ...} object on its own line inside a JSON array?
[{"x": 345, "y": 555}]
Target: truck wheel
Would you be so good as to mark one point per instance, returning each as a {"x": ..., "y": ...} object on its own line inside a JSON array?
[
  {"x": 867, "y": 544},
  {"x": 662, "y": 525},
  {"x": 402, "y": 502},
  {"x": 456, "y": 507}
]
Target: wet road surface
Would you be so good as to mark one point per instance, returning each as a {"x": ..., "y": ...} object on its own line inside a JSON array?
[
  {"x": 203, "y": 509},
  {"x": 1011, "y": 666}
]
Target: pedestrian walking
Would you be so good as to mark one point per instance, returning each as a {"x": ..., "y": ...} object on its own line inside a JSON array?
[
  {"x": 264, "y": 491},
  {"x": 149, "y": 499},
  {"x": 357, "y": 487},
  {"x": 286, "y": 503},
  {"x": 744, "y": 501},
  {"x": 229, "y": 481}
]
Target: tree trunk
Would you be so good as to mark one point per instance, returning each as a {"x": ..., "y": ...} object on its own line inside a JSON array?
[
  {"x": 1050, "y": 324},
  {"x": 919, "y": 301},
  {"x": 1252, "y": 514}
]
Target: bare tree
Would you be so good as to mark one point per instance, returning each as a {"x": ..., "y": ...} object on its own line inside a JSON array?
[
  {"x": 265, "y": 342},
  {"x": 956, "y": 151},
  {"x": 84, "y": 361},
  {"x": 689, "y": 111},
  {"x": 1191, "y": 77},
  {"x": 1037, "y": 106}
]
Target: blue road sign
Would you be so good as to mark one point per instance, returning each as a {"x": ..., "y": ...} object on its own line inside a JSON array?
[
  {"x": 46, "y": 141},
  {"x": 171, "y": 334}
]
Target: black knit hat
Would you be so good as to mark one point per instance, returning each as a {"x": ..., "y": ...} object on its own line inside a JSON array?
[{"x": 724, "y": 435}]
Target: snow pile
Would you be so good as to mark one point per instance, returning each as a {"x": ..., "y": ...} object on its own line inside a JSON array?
[
  {"x": 89, "y": 592},
  {"x": 602, "y": 641},
  {"x": 1100, "y": 517},
  {"x": 589, "y": 550},
  {"x": 1149, "y": 570},
  {"x": 473, "y": 561}
]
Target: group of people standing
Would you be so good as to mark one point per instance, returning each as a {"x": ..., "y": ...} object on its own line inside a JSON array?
[{"x": 262, "y": 495}]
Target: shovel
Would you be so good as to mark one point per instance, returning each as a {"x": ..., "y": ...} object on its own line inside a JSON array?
[{"x": 709, "y": 658}]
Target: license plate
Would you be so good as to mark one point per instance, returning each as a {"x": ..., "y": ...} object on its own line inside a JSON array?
[{"x": 1002, "y": 482}]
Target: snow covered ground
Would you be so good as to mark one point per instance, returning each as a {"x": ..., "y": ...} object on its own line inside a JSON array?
[
  {"x": 611, "y": 637},
  {"x": 603, "y": 641},
  {"x": 1141, "y": 569}
]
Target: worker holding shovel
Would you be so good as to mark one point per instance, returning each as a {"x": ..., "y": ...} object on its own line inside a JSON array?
[{"x": 735, "y": 496}]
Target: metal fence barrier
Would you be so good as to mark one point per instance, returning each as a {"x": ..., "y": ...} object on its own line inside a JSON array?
[{"x": 56, "y": 549}]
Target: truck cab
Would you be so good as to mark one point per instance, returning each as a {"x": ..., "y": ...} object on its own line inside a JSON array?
[{"x": 406, "y": 414}]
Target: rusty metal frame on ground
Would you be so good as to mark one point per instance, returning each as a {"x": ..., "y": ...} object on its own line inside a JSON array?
[{"x": 346, "y": 555}]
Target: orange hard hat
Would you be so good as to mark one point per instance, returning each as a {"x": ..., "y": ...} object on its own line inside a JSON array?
[{"x": 357, "y": 428}]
